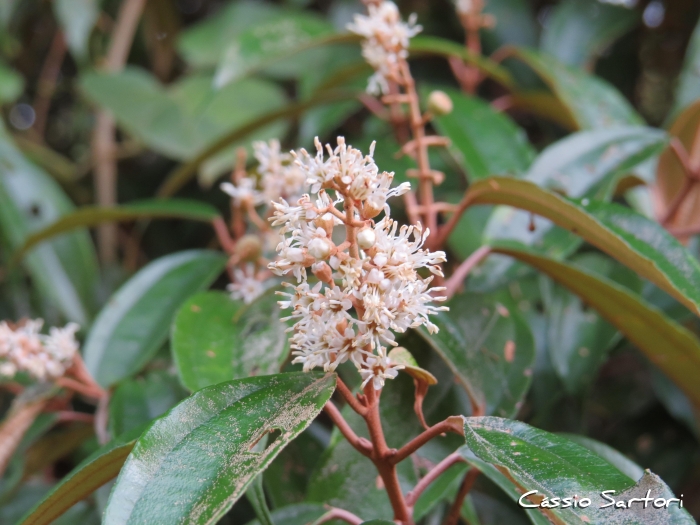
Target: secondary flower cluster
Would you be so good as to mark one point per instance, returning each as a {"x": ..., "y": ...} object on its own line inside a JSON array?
[
  {"x": 385, "y": 44},
  {"x": 277, "y": 177},
  {"x": 369, "y": 286},
  {"x": 23, "y": 348}
]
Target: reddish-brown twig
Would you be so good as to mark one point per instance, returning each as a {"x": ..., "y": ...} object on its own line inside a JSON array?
[
  {"x": 451, "y": 424},
  {"x": 460, "y": 274},
  {"x": 362, "y": 445},
  {"x": 339, "y": 514},
  {"x": 431, "y": 476},
  {"x": 464, "y": 488},
  {"x": 46, "y": 86}
]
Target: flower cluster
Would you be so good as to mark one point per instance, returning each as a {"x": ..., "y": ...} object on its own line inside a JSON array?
[
  {"x": 369, "y": 286},
  {"x": 23, "y": 348},
  {"x": 278, "y": 178},
  {"x": 385, "y": 44}
]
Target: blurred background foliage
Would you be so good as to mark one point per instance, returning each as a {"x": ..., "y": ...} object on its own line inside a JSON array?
[{"x": 204, "y": 77}]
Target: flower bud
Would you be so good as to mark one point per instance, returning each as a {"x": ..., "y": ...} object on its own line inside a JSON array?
[
  {"x": 319, "y": 248},
  {"x": 325, "y": 221},
  {"x": 248, "y": 248},
  {"x": 439, "y": 103},
  {"x": 322, "y": 271},
  {"x": 366, "y": 238},
  {"x": 373, "y": 206}
]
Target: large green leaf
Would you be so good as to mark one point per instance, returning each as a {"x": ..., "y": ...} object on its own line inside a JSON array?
[
  {"x": 484, "y": 141},
  {"x": 592, "y": 102},
  {"x": 135, "y": 322},
  {"x": 586, "y": 164},
  {"x": 192, "y": 464},
  {"x": 95, "y": 215},
  {"x": 666, "y": 343},
  {"x": 63, "y": 270},
  {"x": 135, "y": 402},
  {"x": 489, "y": 348},
  {"x": 578, "y": 31},
  {"x": 628, "y": 467},
  {"x": 215, "y": 339},
  {"x": 96, "y": 470},
  {"x": 182, "y": 120},
  {"x": 578, "y": 339},
  {"x": 530, "y": 459},
  {"x": 688, "y": 88},
  {"x": 637, "y": 242},
  {"x": 516, "y": 24},
  {"x": 271, "y": 41}
]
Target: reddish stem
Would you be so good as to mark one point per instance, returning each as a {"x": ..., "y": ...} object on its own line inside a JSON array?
[
  {"x": 448, "y": 425},
  {"x": 431, "y": 476},
  {"x": 362, "y": 445},
  {"x": 464, "y": 488},
  {"x": 457, "y": 278},
  {"x": 339, "y": 514},
  {"x": 350, "y": 398}
]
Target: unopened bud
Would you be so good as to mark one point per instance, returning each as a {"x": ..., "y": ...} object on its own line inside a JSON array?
[
  {"x": 439, "y": 103},
  {"x": 319, "y": 248},
  {"x": 322, "y": 271},
  {"x": 325, "y": 221},
  {"x": 372, "y": 207},
  {"x": 366, "y": 238},
  {"x": 248, "y": 248}
]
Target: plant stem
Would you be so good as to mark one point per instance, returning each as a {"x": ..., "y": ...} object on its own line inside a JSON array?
[
  {"x": 46, "y": 86},
  {"x": 457, "y": 278},
  {"x": 362, "y": 445},
  {"x": 464, "y": 488},
  {"x": 350, "y": 398},
  {"x": 381, "y": 458},
  {"x": 425, "y": 174},
  {"x": 448, "y": 425},
  {"x": 15, "y": 426},
  {"x": 431, "y": 476},
  {"x": 103, "y": 142},
  {"x": 339, "y": 514}
]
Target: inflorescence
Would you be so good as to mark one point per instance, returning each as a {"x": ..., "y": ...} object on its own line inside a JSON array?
[
  {"x": 369, "y": 286},
  {"x": 23, "y": 348},
  {"x": 385, "y": 44}
]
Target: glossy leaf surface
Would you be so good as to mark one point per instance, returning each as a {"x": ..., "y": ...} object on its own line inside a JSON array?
[
  {"x": 211, "y": 433},
  {"x": 216, "y": 338},
  {"x": 136, "y": 320},
  {"x": 64, "y": 270},
  {"x": 489, "y": 348},
  {"x": 531, "y": 459},
  {"x": 667, "y": 344},
  {"x": 632, "y": 239},
  {"x": 96, "y": 470}
]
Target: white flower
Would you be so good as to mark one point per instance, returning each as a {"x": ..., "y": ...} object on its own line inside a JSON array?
[
  {"x": 244, "y": 193},
  {"x": 245, "y": 285},
  {"x": 377, "y": 370},
  {"x": 373, "y": 290},
  {"x": 386, "y": 40},
  {"x": 281, "y": 178},
  {"x": 44, "y": 357}
]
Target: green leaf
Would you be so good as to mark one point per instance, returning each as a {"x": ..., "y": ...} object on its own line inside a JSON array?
[
  {"x": 578, "y": 339},
  {"x": 187, "y": 117},
  {"x": 271, "y": 41},
  {"x": 577, "y": 32},
  {"x": 95, "y": 215},
  {"x": 298, "y": 514},
  {"x": 637, "y": 242},
  {"x": 93, "y": 472},
  {"x": 484, "y": 141},
  {"x": 77, "y": 18},
  {"x": 184, "y": 173},
  {"x": 192, "y": 464},
  {"x": 136, "y": 402},
  {"x": 430, "y": 45},
  {"x": 628, "y": 467},
  {"x": 215, "y": 339},
  {"x": 586, "y": 164},
  {"x": 256, "y": 497},
  {"x": 515, "y": 24},
  {"x": 592, "y": 102},
  {"x": 530, "y": 459},
  {"x": 667, "y": 344},
  {"x": 442, "y": 489},
  {"x": 135, "y": 322},
  {"x": 11, "y": 84},
  {"x": 204, "y": 43},
  {"x": 64, "y": 270},
  {"x": 489, "y": 348},
  {"x": 688, "y": 87}
]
